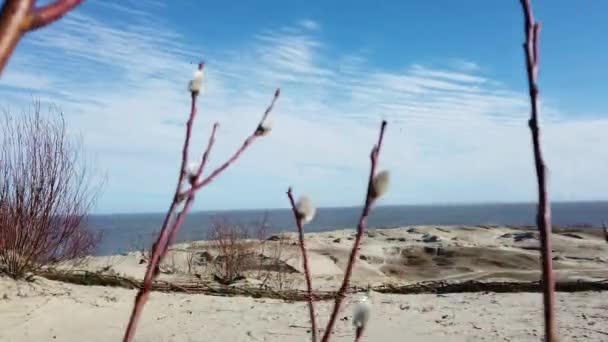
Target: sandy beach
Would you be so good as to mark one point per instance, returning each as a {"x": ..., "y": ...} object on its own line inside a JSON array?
[{"x": 47, "y": 310}]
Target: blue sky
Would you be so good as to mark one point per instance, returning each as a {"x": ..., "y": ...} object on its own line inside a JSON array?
[{"x": 448, "y": 76}]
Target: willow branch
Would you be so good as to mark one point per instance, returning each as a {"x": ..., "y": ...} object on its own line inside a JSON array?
[
  {"x": 17, "y": 17},
  {"x": 359, "y": 334},
  {"x": 47, "y": 14},
  {"x": 307, "y": 275},
  {"x": 173, "y": 223},
  {"x": 369, "y": 200},
  {"x": 543, "y": 216},
  {"x": 161, "y": 243},
  {"x": 248, "y": 141},
  {"x": 182, "y": 215}
]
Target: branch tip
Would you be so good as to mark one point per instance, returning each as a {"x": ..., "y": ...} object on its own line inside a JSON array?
[
  {"x": 49, "y": 13},
  {"x": 373, "y": 191}
]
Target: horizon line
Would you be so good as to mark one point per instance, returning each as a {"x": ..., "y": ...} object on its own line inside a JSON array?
[{"x": 444, "y": 204}]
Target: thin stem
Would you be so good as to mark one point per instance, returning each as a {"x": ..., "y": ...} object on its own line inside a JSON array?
[
  {"x": 182, "y": 215},
  {"x": 201, "y": 167},
  {"x": 543, "y": 217},
  {"x": 359, "y": 334},
  {"x": 369, "y": 199},
  {"x": 307, "y": 275},
  {"x": 161, "y": 243},
  {"x": 179, "y": 221},
  {"x": 222, "y": 167},
  {"x": 250, "y": 139},
  {"x": 277, "y": 93}
]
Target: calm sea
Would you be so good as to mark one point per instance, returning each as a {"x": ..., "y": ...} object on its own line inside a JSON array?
[{"x": 126, "y": 232}]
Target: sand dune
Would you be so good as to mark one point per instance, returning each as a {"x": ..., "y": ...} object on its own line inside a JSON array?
[{"x": 47, "y": 310}]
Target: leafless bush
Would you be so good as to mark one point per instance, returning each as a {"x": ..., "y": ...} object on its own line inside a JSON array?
[
  {"x": 235, "y": 250},
  {"x": 191, "y": 255},
  {"x": 45, "y": 193},
  {"x": 245, "y": 250},
  {"x": 274, "y": 270}
]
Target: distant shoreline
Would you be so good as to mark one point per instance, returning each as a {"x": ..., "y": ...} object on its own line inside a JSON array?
[
  {"x": 418, "y": 205},
  {"x": 122, "y": 230}
]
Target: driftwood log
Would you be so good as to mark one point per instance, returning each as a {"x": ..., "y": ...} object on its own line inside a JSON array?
[{"x": 214, "y": 289}]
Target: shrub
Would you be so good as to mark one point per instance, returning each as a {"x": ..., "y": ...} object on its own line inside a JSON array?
[
  {"x": 235, "y": 251},
  {"x": 45, "y": 193}
]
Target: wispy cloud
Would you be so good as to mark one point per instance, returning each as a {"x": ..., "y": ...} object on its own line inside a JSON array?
[
  {"x": 309, "y": 24},
  {"x": 455, "y": 133}
]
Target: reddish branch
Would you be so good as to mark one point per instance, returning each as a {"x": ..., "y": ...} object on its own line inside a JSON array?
[
  {"x": 182, "y": 215},
  {"x": 369, "y": 200},
  {"x": 359, "y": 334},
  {"x": 543, "y": 218},
  {"x": 256, "y": 134},
  {"x": 171, "y": 223},
  {"x": 45, "y": 193},
  {"x": 17, "y": 17},
  {"x": 161, "y": 244},
  {"x": 311, "y": 306}
]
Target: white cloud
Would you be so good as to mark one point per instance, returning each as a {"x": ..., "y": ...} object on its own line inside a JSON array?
[
  {"x": 466, "y": 65},
  {"x": 309, "y": 24},
  {"x": 454, "y": 134}
]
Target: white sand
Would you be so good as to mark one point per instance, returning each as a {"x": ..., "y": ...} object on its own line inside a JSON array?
[
  {"x": 52, "y": 311},
  {"x": 49, "y": 311}
]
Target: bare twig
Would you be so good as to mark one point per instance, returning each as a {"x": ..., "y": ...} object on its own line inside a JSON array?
[
  {"x": 172, "y": 224},
  {"x": 17, "y": 17},
  {"x": 250, "y": 139},
  {"x": 181, "y": 216},
  {"x": 311, "y": 305},
  {"x": 543, "y": 218},
  {"x": 51, "y": 12},
  {"x": 369, "y": 200}
]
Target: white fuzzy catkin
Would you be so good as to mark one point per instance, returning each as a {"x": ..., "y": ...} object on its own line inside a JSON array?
[
  {"x": 191, "y": 171},
  {"x": 196, "y": 83},
  {"x": 362, "y": 312},
  {"x": 306, "y": 210},
  {"x": 380, "y": 183}
]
